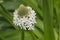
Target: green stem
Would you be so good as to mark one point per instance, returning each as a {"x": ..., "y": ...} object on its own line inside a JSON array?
[{"x": 22, "y": 35}]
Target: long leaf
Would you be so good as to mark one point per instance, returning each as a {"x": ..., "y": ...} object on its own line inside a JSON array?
[
  {"x": 7, "y": 16},
  {"x": 58, "y": 14},
  {"x": 40, "y": 30},
  {"x": 34, "y": 36},
  {"x": 48, "y": 20}
]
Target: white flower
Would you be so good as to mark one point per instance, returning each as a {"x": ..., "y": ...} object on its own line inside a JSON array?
[{"x": 25, "y": 22}]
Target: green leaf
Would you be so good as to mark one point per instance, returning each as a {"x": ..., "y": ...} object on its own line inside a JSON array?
[
  {"x": 48, "y": 20},
  {"x": 10, "y": 34},
  {"x": 34, "y": 36},
  {"x": 57, "y": 6},
  {"x": 40, "y": 30},
  {"x": 7, "y": 16},
  {"x": 39, "y": 3},
  {"x": 11, "y": 4}
]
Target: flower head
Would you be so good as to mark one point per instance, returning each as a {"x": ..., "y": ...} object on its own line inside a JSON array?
[{"x": 24, "y": 17}]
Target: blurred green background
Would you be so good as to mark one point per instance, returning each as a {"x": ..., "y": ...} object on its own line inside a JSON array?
[{"x": 47, "y": 18}]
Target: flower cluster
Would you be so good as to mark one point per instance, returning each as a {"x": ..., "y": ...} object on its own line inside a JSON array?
[{"x": 25, "y": 22}]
